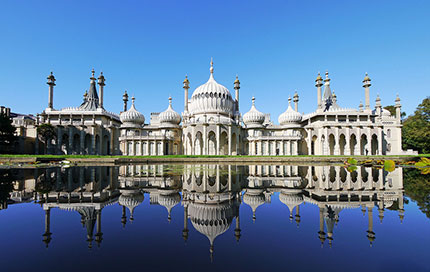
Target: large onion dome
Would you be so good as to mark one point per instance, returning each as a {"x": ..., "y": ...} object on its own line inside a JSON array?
[
  {"x": 130, "y": 199},
  {"x": 211, "y": 97},
  {"x": 169, "y": 200},
  {"x": 132, "y": 117},
  {"x": 169, "y": 116},
  {"x": 290, "y": 116},
  {"x": 212, "y": 220},
  {"x": 291, "y": 198},
  {"x": 254, "y": 198},
  {"x": 253, "y": 117}
]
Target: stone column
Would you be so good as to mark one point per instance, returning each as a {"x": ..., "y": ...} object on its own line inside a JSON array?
[
  {"x": 59, "y": 140},
  {"x": 380, "y": 141},
  {"x": 289, "y": 153},
  {"x": 82, "y": 141},
  {"x": 281, "y": 149},
  {"x": 218, "y": 135},
  {"x": 229, "y": 139},
  {"x": 336, "y": 141},
  {"x": 147, "y": 147},
  {"x": 205, "y": 139},
  {"x": 93, "y": 141},
  {"x": 259, "y": 147},
  {"x": 358, "y": 145},
  {"x": 162, "y": 148},
  {"x": 347, "y": 149},
  {"x": 71, "y": 147}
]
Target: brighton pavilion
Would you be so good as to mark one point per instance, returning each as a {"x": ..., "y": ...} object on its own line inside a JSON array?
[{"x": 211, "y": 123}]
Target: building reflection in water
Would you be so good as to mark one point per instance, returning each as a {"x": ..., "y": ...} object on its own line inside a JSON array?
[{"x": 211, "y": 194}]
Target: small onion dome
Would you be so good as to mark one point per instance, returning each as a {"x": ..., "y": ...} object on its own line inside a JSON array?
[
  {"x": 319, "y": 77},
  {"x": 132, "y": 117},
  {"x": 253, "y": 116},
  {"x": 131, "y": 200},
  {"x": 366, "y": 78},
  {"x": 254, "y": 198},
  {"x": 169, "y": 115},
  {"x": 169, "y": 201},
  {"x": 386, "y": 112},
  {"x": 290, "y": 116},
  {"x": 291, "y": 199}
]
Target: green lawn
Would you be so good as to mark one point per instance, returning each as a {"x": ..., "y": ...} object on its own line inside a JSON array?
[{"x": 184, "y": 156}]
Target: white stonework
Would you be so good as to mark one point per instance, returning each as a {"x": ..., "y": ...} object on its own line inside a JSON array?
[{"x": 211, "y": 124}]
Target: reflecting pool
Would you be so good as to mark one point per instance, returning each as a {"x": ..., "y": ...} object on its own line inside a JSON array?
[{"x": 211, "y": 217}]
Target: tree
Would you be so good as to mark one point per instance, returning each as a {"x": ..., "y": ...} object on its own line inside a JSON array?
[
  {"x": 417, "y": 188},
  {"x": 416, "y": 129},
  {"x": 392, "y": 110},
  {"x": 46, "y": 133},
  {"x": 7, "y": 133}
]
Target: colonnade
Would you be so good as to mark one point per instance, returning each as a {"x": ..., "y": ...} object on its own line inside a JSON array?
[
  {"x": 273, "y": 147},
  {"x": 345, "y": 141}
]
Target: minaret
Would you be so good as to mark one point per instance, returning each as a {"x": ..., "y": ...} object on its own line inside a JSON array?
[
  {"x": 237, "y": 229},
  {"x": 297, "y": 215},
  {"x": 236, "y": 88},
  {"x": 378, "y": 106},
  {"x": 51, "y": 83},
  {"x": 296, "y": 101},
  {"x": 366, "y": 85},
  {"x": 334, "y": 98},
  {"x": 125, "y": 99},
  {"x": 398, "y": 107},
  {"x": 186, "y": 87},
  {"x": 370, "y": 233},
  {"x": 360, "y": 107},
  {"x": 47, "y": 235},
  {"x": 101, "y": 82},
  {"x": 185, "y": 230},
  {"x": 123, "y": 217},
  {"x": 319, "y": 94},
  {"x": 99, "y": 234},
  {"x": 321, "y": 233}
]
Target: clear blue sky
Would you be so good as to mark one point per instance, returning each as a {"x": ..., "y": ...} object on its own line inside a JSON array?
[{"x": 276, "y": 47}]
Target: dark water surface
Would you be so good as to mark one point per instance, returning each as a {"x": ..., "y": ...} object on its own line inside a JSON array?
[{"x": 214, "y": 217}]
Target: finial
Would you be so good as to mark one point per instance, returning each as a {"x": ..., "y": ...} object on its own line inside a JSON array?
[
  {"x": 92, "y": 72},
  {"x": 212, "y": 66},
  {"x": 326, "y": 77},
  {"x": 253, "y": 101},
  {"x": 170, "y": 101},
  {"x": 319, "y": 78},
  {"x": 132, "y": 99},
  {"x": 289, "y": 100}
]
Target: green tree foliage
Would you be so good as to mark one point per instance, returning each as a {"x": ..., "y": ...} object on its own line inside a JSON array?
[
  {"x": 416, "y": 129},
  {"x": 6, "y": 186},
  {"x": 46, "y": 133},
  {"x": 392, "y": 110},
  {"x": 7, "y": 134},
  {"x": 417, "y": 188}
]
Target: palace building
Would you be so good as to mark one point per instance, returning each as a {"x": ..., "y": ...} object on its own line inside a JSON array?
[{"x": 212, "y": 124}]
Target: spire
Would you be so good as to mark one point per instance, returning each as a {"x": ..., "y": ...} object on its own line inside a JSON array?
[
  {"x": 125, "y": 100},
  {"x": 212, "y": 66},
  {"x": 327, "y": 79},
  {"x": 132, "y": 100},
  {"x": 289, "y": 101},
  {"x": 253, "y": 101},
  {"x": 92, "y": 101},
  {"x": 170, "y": 101}
]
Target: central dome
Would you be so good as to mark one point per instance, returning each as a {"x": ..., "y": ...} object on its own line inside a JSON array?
[{"x": 211, "y": 97}]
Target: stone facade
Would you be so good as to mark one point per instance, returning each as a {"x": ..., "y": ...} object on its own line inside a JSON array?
[{"x": 212, "y": 124}]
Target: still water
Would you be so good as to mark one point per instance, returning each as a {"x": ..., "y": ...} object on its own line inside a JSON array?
[{"x": 212, "y": 217}]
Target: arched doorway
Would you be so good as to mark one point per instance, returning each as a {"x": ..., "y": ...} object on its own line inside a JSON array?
[
  {"x": 88, "y": 144},
  {"x": 313, "y": 145},
  {"x": 364, "y": 147},
  {"x": 198, "y": 144},
  {"x": 212, "y": 143},
  {"x": 223, "y": 144},
  {"x": 331, "y": 143},
  {"x": 65, "y": 148},
  {"x": 342, "y": 143},
  {"x": 234, "y": 144},
  {"x": 106, "y": 146},
  {"x": 76, "y": 144},
  {"x": 353, "y": 145},
  {"x": 97, "y": 151},
  {"x": 374, "y": 145}
]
